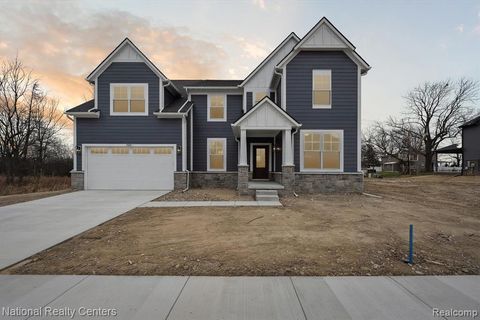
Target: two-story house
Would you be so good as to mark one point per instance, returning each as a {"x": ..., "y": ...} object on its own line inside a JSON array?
[{"x": 294, "y": 120}]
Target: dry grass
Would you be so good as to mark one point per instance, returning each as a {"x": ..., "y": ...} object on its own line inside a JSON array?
[{"x": 34, "y": 184}]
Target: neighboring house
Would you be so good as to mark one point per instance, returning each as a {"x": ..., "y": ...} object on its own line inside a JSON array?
[
  {"x": 295, "y": 120},
  {"x": 411, "y": 164},
  {"x": 471, "y": 146}
]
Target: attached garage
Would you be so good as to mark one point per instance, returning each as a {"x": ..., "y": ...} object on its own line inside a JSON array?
[{"x": 129, "y": 167}]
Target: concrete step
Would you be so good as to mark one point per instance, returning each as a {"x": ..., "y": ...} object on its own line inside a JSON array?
[
  {"x": 267, "y": 192},
  {"x": 266, "y": 195}
]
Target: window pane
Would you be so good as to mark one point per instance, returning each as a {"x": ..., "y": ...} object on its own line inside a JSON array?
[
  {"x": 120, "y": 105},
  {"x": 217, "y": 100},
  {"x": 163, "y": 150},
  {"x": 137, "y": 93},
  {"x": 99, "y": 150},
  {"x": 331, "y": 160},
  {"x": 216, "y": 112},
  {"x": 321, "y": 80},
  {"x": 120, "y": 93},
  {"x": 311, "y": 159},
  {"x": 141, "y": 150},
  {"x": 260, "y": 158},
  {"x": 119, "y": 150},
  {"x": 259, "y": 96},
  {"x": 137, "y": 106},
  {"x": 216, "y": 162},
  {"x": 321, "y": 97}
]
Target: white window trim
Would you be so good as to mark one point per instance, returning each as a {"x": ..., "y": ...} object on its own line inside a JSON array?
[
  {"x": 321, "y": 106},
  {"x": 145, "y": 90},
  {"x": 224, "y": 119},
  {"x": 224, "y": 141},
  {"x": 302, "y": 145}
]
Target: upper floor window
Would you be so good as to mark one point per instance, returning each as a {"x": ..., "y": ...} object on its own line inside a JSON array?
[
  {"x": 217, "y": 104},
  {"x": 321, "y": 150},
  {"x": 322, "y": 89},
  {"x": 129, "y": 99},
  {"x": 259, "y": 95}
]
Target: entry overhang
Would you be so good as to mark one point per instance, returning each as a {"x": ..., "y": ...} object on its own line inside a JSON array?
[{"x": 265, "y": 116}]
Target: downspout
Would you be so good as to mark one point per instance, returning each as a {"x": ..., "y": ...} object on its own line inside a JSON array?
[{"x": 188, "y": 181}]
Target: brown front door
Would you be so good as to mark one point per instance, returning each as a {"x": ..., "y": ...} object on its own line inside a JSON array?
[{"x": 260, "y": 162}]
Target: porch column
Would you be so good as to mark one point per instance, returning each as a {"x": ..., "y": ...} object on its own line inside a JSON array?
[
  {"x": 243, "y": 147},
  {"x": 288, "y": 169},
  {"x": 287, "y": 148},
  {"x": 242, "y": 183}
]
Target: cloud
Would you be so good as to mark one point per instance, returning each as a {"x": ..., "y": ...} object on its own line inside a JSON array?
[
  {"x": 460, "y": 28},
  {"x": 255, "y": 49},
  {"x": 260, "y": 3},
  {"x": 63, "y": 43}
]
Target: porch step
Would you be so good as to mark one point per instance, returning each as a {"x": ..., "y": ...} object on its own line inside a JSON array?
[{"x": 266, "y": 195}]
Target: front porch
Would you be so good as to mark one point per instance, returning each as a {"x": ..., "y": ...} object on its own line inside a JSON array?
[
  {"x": 264, "y": 185},
  {"x": 265, "y": 147}
]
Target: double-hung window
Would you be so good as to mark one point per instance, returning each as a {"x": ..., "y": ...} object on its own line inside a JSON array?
[
  {"x": 217, "y": 150},
  {"x": 217, "y": 105},
  {"x": 321, "y": 150},
  {"x": 321, "y": 89},
  {"x": 129, "y": 99}
]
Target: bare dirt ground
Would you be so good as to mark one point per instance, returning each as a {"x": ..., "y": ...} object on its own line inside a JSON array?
[
  {"x": 311, "y": 235},
  {"x": 18, "y": 198},
  {"x": 207, "y": 194}
]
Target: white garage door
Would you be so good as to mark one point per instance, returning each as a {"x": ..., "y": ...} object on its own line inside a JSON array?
[{"x": 130, "y": 168}]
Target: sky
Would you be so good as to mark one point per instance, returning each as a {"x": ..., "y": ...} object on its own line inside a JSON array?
[{"x": 405, "y": 42}]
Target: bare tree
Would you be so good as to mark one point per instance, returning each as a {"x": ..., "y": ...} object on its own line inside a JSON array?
[
  {"x": 18, "y": 95},
  {"x": 436, "y": 110}
]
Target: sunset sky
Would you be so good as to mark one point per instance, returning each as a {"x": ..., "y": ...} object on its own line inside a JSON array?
[{"x": 406, "y": 42}]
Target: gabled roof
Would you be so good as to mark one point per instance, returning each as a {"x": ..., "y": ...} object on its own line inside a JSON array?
[
  {"x": 336, "y": 41},
  {"x": 83, "y": 107},
  {"x": 471, "y": 122},
  {"x": 108, "y": 60},
  {"x": 290, "y": 36},
  {"x": 266, "y": 101}
]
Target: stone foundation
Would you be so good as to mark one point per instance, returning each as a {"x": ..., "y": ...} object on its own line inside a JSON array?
[
  {"x": 288, "y": 177},
  {"x": 179, "y": 180},
  {"x": 328, "y": 182},
  {"x": 242, "y": 179},
  {"x": 199, "y": 179},
  {"x": 76, "y": 180}
]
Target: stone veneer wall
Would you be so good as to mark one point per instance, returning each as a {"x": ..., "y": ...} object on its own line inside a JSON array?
[
  {"x": 328, "y": 182},
  {"x": 179, "y": 180},
  {"x": 76, "y": 180},
  {"x": 242, "y": 179},
  {"x": 213, "y": 179}
]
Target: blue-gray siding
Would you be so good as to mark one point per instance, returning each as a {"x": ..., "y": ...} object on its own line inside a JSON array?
[
  {"x": 249, "y": 100},
  {"x": 128, "y": 129},
  {"x": 203, "y": 130},
  {"x": 342, "y": 115}
]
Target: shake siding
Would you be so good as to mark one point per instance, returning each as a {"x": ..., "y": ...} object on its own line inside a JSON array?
[
  {"x": 203, "y": 130},
  {"x": 128, "y": 129},
  {"x": 343, "y": 114}
]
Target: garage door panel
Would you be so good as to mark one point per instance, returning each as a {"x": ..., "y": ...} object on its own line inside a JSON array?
[{"x": 131, "y": 171}]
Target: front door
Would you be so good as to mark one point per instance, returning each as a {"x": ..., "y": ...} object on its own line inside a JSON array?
[{"x": 260, "y": 162}]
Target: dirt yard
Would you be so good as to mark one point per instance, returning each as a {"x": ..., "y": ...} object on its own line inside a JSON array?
[
  {"x": 311, "y": 235},
  {"x": 18, "y": 198}
]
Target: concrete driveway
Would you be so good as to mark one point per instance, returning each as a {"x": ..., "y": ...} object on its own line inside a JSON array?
[{"x": 29, "y": 227}]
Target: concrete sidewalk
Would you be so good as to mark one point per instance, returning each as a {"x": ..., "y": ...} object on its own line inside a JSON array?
[{"x": 260, "y": 298}]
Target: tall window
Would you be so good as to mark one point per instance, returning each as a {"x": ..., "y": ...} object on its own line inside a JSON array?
[
  {"x": 217, "y": 151},
  {"x": 321, "y": 150},
  {"x": 322, "y": 89},
  {"x": 259, "y": 95},
  {"x": 216, "y": 107},
  {"x": 129, "y": 99}
]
